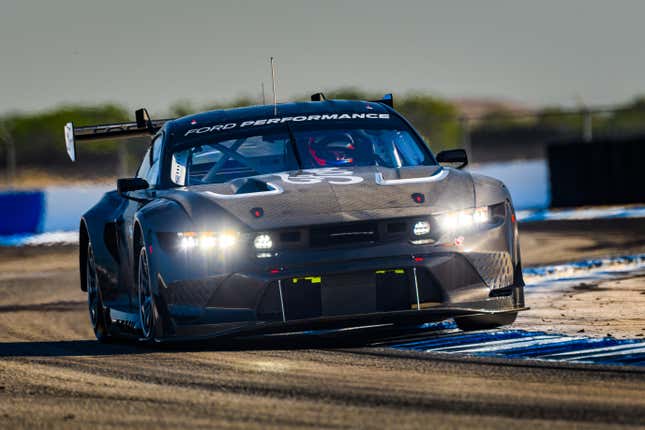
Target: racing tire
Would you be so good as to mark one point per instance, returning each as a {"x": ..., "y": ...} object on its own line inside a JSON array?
[
  {"x": 99, "y": 316},
  {"x": 485, "y": 322},
  {"x": 148, "y": 316}
]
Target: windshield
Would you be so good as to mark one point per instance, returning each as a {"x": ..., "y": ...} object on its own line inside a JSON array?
[{"x": 217, "y": 158}]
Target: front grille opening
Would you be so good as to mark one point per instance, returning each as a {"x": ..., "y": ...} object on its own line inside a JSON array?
[
  {"x": 393, "y": 290},
  {"x": 344, "y": 234},
  {"x": 396, "y": 227},
  {"x": 290, "y": 236},
  {"x": 270, "y": 308},
  {"x": 334, "y": 294},
  {"x": 302, "y": 297}
]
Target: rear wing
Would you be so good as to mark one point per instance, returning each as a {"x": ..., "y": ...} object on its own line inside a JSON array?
[
  {"x": 144, "y": 126},
  {"x": 387, "y": 99}
]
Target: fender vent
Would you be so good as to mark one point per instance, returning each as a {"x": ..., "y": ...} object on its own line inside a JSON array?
[{"x": 109, "y": 237}]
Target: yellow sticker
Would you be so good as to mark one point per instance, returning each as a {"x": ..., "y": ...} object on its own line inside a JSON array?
[
  {"x": 397, "y": 271},
  {"x": 312, "y": 279}
]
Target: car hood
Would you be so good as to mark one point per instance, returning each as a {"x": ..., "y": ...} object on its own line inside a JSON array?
[{"x": 320, "y": 196}]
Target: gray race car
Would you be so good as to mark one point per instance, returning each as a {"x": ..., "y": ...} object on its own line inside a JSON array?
[{"x": 324, "y": 214}]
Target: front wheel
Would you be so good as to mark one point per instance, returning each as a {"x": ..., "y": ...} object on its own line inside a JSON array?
[
  {"x": 485, "y": 322},
  {"x": 148, "y": 316}
]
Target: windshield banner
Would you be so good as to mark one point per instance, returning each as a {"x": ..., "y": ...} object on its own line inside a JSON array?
[{"x": 268, "y": 121}]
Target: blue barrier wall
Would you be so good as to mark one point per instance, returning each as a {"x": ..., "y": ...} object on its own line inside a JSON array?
[
  {"x": 527, "y": 181},
  {"x": 59, "y": 208},
  {"x": 64, "y": 205},
  {"x": 21, "y": 212}
]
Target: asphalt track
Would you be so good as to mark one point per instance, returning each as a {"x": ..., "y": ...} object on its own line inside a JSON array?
[{"x": 52, "y": 374}]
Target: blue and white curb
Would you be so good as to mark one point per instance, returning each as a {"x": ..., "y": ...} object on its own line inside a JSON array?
[
  {"x": 445, "y": 338},
  {"x": 520, "y": 344},
  {"x": 592, "y": 269},
  {"x": 46, "y": 239},
  {"x": 577, "y": 214}
]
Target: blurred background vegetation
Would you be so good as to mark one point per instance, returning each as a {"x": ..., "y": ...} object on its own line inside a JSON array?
[{"x": 35, "y": 140}]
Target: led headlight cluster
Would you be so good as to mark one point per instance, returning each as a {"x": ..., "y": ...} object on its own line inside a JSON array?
[
  {"x": 262, "y": 242},
  {"x": 464, "y": 219},
  {"x": 421, "y": 228},
  {"x": 207, "y": 240}
]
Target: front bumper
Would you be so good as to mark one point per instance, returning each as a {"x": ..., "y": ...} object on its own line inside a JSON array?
[
  {"x": 386, "y": 283},
  {"x": 497, "y": 305}
]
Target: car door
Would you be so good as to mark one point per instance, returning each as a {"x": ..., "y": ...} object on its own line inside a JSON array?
[{"x": 148, "y": 170}]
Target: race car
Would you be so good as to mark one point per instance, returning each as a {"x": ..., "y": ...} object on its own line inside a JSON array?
[{"x": 300, "y": 216}]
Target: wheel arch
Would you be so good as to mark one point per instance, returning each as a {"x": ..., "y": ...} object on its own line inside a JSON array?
[
  {"x": 92, "y": 229},
  {"x": 137, "y": 235},
  {"x": 83, "y": 242},
  {"x": 138, "y": 240}
]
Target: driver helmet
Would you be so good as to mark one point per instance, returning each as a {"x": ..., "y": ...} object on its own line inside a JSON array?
[{"x": 337, "y": 149}]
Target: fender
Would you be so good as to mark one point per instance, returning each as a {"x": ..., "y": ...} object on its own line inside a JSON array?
[
  {"x": 97, "y": 226},
  {"x": 162, "y": 215},
  {"x": 489, "y": 190}
]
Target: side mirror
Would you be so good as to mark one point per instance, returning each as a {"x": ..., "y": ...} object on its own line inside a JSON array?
[
  {"x": 131, "y": 184},
  {"x": 456, "y": 158}
]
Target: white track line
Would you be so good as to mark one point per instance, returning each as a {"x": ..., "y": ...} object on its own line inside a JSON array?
[
  {"x": 504, "y": 345},
  {"x": 607, "y": 350}
]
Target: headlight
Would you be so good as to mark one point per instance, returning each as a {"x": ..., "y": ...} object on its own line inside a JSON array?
[
  {"x": 262, "y": 241},
  {"x": 481, "y": 215},
  {"x": 421, "y": 228},
  {"x": 463, "y": 220},
  {"x": 227, "y": 240},
  {"x": 207, "y": 240}
]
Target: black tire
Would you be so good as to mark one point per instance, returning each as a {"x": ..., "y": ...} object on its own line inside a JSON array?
[
  {"x": 99, "y": 316},
  {"x": 485, "y": 322},
  {"x": 148, "y": 315}
]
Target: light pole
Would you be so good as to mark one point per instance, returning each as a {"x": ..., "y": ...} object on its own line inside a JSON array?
[{"x": 587, "y": 126}]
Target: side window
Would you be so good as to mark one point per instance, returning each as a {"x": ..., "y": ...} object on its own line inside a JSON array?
[
  {"x": 152, "y": 176},
  {"x": 142, "y": 172}
]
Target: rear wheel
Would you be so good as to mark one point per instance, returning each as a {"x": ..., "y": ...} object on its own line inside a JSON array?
[
  {"x": 485, "y": 322},
  {"x": 98, "y": 315},
  {"x": 148, "y": 317}
]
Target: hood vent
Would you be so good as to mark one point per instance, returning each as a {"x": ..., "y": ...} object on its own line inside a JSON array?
[
  {"x": 434, "y": 177},
  {"x": 248, "y": 187}
]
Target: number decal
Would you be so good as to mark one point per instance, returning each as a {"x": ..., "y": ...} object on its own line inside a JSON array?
[{"x": 333, "y": 175}]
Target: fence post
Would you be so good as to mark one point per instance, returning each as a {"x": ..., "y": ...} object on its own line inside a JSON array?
[{"x": 587, "y": 126}]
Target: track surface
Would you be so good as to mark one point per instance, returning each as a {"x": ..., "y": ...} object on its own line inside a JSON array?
[{"x": 53, "y": 375}]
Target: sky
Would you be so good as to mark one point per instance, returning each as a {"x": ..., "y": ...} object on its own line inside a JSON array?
[{"x": 155, "y": 53}]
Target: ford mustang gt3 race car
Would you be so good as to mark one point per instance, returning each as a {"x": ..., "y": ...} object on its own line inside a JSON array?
[{"x": 317, "y": 215}]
